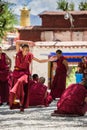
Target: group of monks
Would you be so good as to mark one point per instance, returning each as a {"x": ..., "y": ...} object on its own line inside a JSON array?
[{"x": 20, "y": 89}]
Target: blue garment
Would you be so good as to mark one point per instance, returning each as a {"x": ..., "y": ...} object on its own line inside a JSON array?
[{"x": 79, "y": 77}]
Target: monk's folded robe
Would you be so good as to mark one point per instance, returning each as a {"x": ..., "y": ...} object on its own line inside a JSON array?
[
  {"x": 38, "y": 95},
  {"x": 72, "y": 100}
]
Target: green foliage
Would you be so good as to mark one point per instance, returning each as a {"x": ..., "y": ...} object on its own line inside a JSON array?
[
  {"x": 62, "y": 4},
  {"x": 71, "y": 77},
  {"x": 83, "y": 6},
  {"x": 71, "y": 6},
  {"x": 65, "y": 6},
  {"x": 7, "y": 19}
]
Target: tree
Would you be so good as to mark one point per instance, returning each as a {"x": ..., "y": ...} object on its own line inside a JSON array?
[
  {"x": 62, "y": 4},
  {"x": 7, "y": 19},
  {"x": 71, "y": 6},
  {"x": 83, "y": 6},
  {"x": 65, "y": 6}
]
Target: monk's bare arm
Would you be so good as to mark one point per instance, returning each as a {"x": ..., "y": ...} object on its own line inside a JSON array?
[
  {"x": 40, "y": 61},
  {"x": 44, "y": 60},
  {"x": 66, "y": 64},
  {"x": 45, "y": 95}
]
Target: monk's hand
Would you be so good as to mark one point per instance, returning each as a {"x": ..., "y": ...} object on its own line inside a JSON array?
[
  {"x": 16, "y": 68},
  {"x": 85, "y": 71},
  {"x": 86, "y": 99},
  {"x": 53, "y": 58}
]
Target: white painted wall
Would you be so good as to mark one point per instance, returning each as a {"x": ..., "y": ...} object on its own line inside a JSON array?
[{"x": 42, "y": 53}]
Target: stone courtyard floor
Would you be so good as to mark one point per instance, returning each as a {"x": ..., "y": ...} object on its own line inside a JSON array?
[{"x": 39, "y": 119}]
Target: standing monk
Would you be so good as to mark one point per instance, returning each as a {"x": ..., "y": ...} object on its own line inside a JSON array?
[
  {"x": 74, "y": 100},
  {"x": 81, "y": 69},
  {"x": 21, "y": 77},
  {"x": 5, "y": 64},
  {"x": 59, "y": 81},
  {"x": 82, "y": 66}
]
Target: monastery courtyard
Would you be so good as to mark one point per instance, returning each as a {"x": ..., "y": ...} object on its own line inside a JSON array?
[{"x": 39, "y": 119}]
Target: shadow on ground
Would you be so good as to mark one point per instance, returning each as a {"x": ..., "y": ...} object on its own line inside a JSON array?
[{"x": 39, "y": 119}]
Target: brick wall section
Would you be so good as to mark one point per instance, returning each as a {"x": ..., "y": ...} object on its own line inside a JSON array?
[
  {"x": 31, "y": 35},
  {"x": 80, "y": 21},
  {"x": 54, "y": 19},
  {"x": 53, "y": 23}
]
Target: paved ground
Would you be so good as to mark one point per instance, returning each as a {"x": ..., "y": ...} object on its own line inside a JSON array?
[{"x": 39, "y": 119}]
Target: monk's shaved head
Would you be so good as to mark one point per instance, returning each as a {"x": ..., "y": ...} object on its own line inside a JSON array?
[
  {"x": 42, "y": 80},
  {"x": 25, "y": 46},
  {"x": 58, "y": 52}
]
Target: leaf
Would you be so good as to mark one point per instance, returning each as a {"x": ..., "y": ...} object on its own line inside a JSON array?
[{"x": 7, "y": 19}]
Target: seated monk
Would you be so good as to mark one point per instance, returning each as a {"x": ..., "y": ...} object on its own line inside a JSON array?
[
  {"x": 38, "y": 94},
  {"x": 73, "y": 101},
  {"x": 35, "y": 77},
  {"x": 5, "y": 64}
]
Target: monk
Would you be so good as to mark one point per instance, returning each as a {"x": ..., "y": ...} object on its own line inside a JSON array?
[
  {"x": 5, "y": 64},
  {"x": 21, "y": 77},
  {"x": 74, "y": 100},
  {"x": 35, "y": 77},
  {"x": 38, "y": 94},
  {"x": 82, "y": 66},
  {"x": 59, "y": 82}
]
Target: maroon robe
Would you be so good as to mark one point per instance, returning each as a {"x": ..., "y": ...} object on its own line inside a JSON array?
[
  {"x": 48, "y": 99},
  {"x": 22, "y": 65},
  {"x": 20, "y": 85},
  {"x": 38, "y": 95},
  {"x": 72, "y": 100},
  {"x": 20, "y": 92},
  {"x": 59, "y": 82},
  {"x": 4, "y": 74}
]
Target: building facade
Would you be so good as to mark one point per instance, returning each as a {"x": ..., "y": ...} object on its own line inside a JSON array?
[
  {"x": 56, "y": 32},
  {"x": 57, "y": 27}
]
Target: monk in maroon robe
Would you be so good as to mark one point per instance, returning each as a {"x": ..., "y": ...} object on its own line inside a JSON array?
[
  {"x": 21, "y": 74},
  {"x": 5, "y": 64},
  {"x": 59, "y": 82},
  {"x": 21, "y": 77},
  {"x": 74, "y": 100},
  {"x": 82, "y": 66},
  {"x": 38, "y": 94},
  {"x": 35, "y": 78}
]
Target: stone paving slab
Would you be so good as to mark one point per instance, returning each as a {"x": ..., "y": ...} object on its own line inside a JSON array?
[{"x": 39, "y": 119}]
